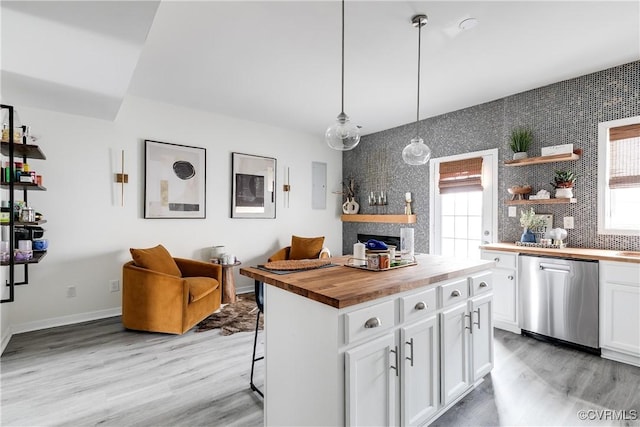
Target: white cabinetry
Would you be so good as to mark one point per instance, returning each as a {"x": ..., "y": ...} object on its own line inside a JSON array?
[
  {"x": 620, "y": 311},
  {"x": 481, "y": 336},
  {"x": 505, "y": 289},
  {"x": 420, "y": 375},
  {"x": 382, "y": 362},
  {"x": 454, "y": 353},
  {"x": 371, "y": 384}
]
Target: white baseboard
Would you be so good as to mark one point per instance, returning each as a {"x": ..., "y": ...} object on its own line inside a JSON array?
[
  {"x": 5, "y": 339},
  {"x": 64, "y": 320},
  {"x": 505, "y": 326},
  {"x": 620, "y": 357}
]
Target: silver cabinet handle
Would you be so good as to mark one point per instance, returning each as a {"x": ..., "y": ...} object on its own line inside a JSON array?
[
  {"x": 510, "y": 277},
  {"x": 483, "y": 284},
  {"x": 478, "y": 313},
  {"x": 420, "y": 305},
  {"x": 374, "y": 322},
  {"x": 470, "y": 327},
  {"x": 395, "y": 353},
  {"x": 496, "y": 259},
  {"x": 455, "y": 293},
  {"x": 410, "y": 344}
]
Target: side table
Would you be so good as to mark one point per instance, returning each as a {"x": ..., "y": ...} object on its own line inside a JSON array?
[{"x": 228, "y": 282}]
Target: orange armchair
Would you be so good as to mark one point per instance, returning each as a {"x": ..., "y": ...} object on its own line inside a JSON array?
[
  {"x": 302, "y": 248},
  {"x": 159, "y": 302}
]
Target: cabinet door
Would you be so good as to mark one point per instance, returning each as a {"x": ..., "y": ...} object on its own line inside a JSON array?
[
  {"x": 454, "y": 352},
  {"x": 371, "y": 383},
  {"x": 621, "y": 318},
  {"x": 420, "y": 378},
  {"x": 481, "y": 336},
  {"x": 505, "y": 297}
]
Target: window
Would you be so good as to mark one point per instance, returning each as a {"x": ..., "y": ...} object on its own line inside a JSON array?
[
  {"x": 619, "y": 176},
  {"x": 463, "y": 203}
]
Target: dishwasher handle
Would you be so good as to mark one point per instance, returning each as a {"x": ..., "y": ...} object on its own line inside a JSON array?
[{"x": 555, "y": 268}]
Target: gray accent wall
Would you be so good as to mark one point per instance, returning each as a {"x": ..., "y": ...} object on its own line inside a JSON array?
[{"x": 560, "y": 113}]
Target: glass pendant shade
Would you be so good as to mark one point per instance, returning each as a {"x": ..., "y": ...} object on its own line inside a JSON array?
[
  {"x": 416, "y": 153},
  {"x": 342, "y": 135}
]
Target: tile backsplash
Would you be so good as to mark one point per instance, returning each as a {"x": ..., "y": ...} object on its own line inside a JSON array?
[{"x": 560, "y": 113}]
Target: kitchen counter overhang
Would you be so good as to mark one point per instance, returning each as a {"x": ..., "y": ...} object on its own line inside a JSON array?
[{"x": 340, "y": 286}]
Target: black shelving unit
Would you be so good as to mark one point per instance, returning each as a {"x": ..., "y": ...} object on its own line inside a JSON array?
[{"x": 11, "y": 149}]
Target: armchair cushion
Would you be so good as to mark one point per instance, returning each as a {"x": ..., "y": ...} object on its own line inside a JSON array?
[
  {"x": 305, "y": 247},
  {"x": 200, "y": 287},
  {"x": 156, "y": 259}
]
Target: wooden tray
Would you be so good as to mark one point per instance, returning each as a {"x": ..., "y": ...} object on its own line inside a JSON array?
[{"x": 363, "y": 267}]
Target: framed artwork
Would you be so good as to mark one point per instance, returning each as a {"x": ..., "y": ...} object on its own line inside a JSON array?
[
  {"x": 253, "y": 186},
  {"x": 174, "y": 180}
]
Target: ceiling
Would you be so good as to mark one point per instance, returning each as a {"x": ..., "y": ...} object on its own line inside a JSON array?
[{"x": 278, "y": 62}]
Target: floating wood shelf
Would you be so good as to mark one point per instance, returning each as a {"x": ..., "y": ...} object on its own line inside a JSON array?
[
  {"x": 566, "y": 157},
  {"x": 394, "y": 219},
  {"x": 541, "y": 202},
  {"x": 24, "y": 150}
]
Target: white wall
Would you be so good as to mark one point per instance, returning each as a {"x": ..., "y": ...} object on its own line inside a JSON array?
[{"x": 90, "y": 233}]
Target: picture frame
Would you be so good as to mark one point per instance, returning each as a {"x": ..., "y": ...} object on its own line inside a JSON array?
[
  {"x": 253, "y": 186},
  {"x": 175, "y": 179},
  {"x": 542, "y": 232}
]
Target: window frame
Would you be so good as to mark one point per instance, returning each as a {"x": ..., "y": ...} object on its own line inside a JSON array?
[{"x": 604, "y": 193}]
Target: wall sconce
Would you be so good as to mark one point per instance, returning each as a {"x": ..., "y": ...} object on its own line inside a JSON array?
[
  {"x": 286, "y": 188},
  {"x": 122, "y": 179}
]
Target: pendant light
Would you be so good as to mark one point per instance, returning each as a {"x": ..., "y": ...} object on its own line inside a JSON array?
[
  {"x": 417, "y": 152},
  {"x": 342, "y": 135}
]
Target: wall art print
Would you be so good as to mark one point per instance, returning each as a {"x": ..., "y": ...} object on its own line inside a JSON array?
[
  {"x": 175, "y": 181},
  {"x": 253, "y": 184}
]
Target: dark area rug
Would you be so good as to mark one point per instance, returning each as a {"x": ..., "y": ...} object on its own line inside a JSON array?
[{"x": 239, "y": 316}]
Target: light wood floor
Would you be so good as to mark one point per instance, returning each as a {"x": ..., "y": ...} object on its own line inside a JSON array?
[{"x": 97, "y": 373}]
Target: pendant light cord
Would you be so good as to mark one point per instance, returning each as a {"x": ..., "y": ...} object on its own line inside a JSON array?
[
  {"x": 418, "y": 103},
  {"x": 342, "y": 97}
]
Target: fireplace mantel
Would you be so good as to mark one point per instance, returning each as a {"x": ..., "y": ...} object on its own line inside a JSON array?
[{"x": 395, "y": 219}]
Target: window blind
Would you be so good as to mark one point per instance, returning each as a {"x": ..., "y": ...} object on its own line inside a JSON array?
[
  {"x": 461, "y": 175},
  {"x": 624, "y": 164}
]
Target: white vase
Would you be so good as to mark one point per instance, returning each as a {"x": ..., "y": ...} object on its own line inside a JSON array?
[
  {"x": 520, "y": 155},
  {"x": 350, "y": 207},
  {"x": 564, "y": 193}
]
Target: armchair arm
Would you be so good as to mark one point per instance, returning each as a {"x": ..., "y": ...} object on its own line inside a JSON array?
[
  {"x": 193, "y": 268},
  {"x": 282, "y": 254},
  {"x": 149, "y": 290}
]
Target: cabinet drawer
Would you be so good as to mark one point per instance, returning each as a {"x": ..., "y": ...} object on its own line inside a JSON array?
[
  {"x": 454, "y": 292},
  {"x": 502, "y": 259},
  {"x": 369, "y": 321},
  {"x": 418, "y": 305},
  {"x": 480, "y": 283}
]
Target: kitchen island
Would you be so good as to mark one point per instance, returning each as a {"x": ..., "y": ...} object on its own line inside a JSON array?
[{"x": 344, "y": 346}]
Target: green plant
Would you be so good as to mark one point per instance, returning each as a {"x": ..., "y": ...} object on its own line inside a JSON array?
[
  {"x": 564, "y": 179},
  {"x": 528, "y": 219},
  {"x": 520, "y": 140}
]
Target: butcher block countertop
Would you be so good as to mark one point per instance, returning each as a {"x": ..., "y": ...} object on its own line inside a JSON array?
[
  {"x": 578, "y": 253},
  {"x": 342, "y": 286}
]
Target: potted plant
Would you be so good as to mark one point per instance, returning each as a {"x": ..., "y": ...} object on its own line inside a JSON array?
[
  {"x": 563, "y": 183},
  {"x": 519, "y": 142},
  {"x": 529, "y": 221}
]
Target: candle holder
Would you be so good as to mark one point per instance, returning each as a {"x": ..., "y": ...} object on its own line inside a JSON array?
[{"x": 377, "y": 198}]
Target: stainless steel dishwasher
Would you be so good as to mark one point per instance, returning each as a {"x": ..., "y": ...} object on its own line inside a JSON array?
[{"x": 559, "y": 298}]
